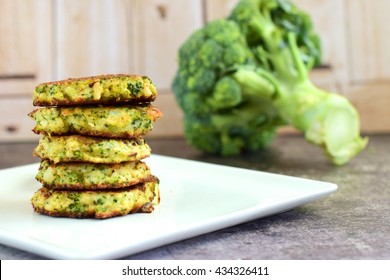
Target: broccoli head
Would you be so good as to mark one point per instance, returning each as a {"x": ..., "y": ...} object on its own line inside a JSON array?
[
  {"x": 219, "y": 113},
  {"x": 204, "y": 58}
]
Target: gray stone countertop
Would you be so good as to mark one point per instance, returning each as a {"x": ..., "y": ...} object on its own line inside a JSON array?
[{"x": 352, "y": 223}]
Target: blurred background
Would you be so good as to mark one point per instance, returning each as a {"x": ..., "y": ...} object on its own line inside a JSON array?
[{"x": 45, "y": 40}]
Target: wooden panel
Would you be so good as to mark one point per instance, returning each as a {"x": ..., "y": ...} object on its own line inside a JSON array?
[
  {"x": 16, "y": 35},
  {"x": 15, "y": 125},
  {"x": 162, "y": 27},
  {"x": 25, "y": 45},
  {"x": 369, "y": 29},
  {"x": 373, "y": 103},
  {"x": 16, "y": 86},
  {"x": 93, "y": 37},
  {"x": 216, "y": 9}
]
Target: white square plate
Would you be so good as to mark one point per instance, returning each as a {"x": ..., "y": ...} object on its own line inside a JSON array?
[{"x": 196, "y": 198}]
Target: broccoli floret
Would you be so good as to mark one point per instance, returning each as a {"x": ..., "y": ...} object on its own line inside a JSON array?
[
  {"x": 242, "y": 77},
  {"x": 204, "y": 59},
  {"x": 230, "y": 132},
  {"x": 135, "y": 87},
  {"x": 226, "y": 94}
]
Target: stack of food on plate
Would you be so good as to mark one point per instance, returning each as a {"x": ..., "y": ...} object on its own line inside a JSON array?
[{"x": 92, "y": 146}]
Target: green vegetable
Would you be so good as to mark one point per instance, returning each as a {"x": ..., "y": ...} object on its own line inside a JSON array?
[
  {"x": 135, "y": 87},
  {"x": 241, "y": 78}
]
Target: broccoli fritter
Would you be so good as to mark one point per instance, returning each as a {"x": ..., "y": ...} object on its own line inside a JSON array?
[
  {"x": 91, "y": 176},
  {"x": 96, "y": 204},
  {"x": 77, "y": 148},
  {"x": 103, "y": 121},
  {"x": 104, "y": 89}
]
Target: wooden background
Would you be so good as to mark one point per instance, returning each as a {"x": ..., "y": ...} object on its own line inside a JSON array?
[{"x": 44, "y": 40}]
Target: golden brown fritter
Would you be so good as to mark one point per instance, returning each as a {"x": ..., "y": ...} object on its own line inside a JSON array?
[
  {"x": 77, "y": 148},
  {"x": 103, "y": 89},
  {"x": 93, "y": 176},
  {"x": 96, "y": 204},
  {"x": 101, "y": 121}
]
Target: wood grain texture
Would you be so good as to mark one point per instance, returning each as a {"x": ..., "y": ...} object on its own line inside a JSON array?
[
  {"x": 373, "y": 103},
  {"x": 162, "y": 26},
  {"x": 92, "y": 38},
  {"x": 16, "y": 37},
  {"x": 216, "y": 9},
  {"x": 368, "y": 25},
  {"x": 25, "y": 45},
  {"x": 15, "y": 125}
]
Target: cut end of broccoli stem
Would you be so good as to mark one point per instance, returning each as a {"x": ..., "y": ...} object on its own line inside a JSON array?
[
  {"x": 338, "y": 134},
  {"x": 342, "y": 139}
]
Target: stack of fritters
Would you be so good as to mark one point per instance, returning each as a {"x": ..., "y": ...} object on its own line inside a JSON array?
[{"x": 92, "y": 146}]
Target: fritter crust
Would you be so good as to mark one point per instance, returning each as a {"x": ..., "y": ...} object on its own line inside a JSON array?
[
  {"x": 96, "y": 204},
  {"x": 77, "y": 148},
  {"x": 103, "y": 89}
]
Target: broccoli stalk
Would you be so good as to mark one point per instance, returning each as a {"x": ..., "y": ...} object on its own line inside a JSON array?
[
  {"x": 327, "y": 119},
  {"x": 240, "y": 78}
]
